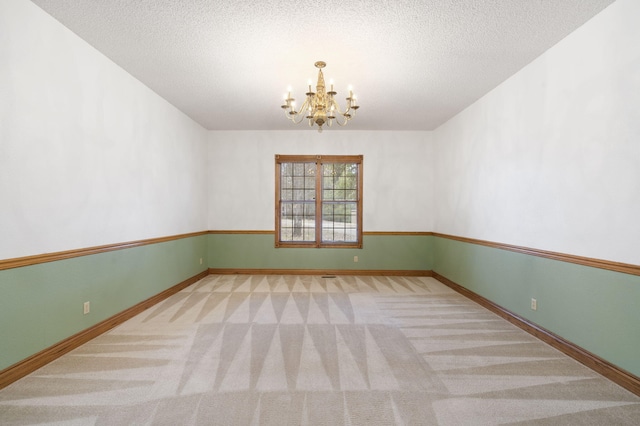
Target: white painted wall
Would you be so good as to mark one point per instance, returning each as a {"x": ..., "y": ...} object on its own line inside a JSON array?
[
  {"x": 551, "y": 158},
  {"x": 398, "y": 177},
  {"x": 88, "y": 155}
]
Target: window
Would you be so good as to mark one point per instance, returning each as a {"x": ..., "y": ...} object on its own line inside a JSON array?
[{"x": 318, "y": 201}]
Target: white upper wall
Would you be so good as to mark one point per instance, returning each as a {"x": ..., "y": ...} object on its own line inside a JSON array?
[
  {"x": 551, "y": 158},
  {"x": 88, "y": 154},
  {"x": 398, "y": 177}
]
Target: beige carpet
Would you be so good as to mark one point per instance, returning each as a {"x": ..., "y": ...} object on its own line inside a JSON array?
[{"x": 308, "y": 350}]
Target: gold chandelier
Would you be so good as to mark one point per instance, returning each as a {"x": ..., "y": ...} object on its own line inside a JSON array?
[{"x": 320, "y": 107}]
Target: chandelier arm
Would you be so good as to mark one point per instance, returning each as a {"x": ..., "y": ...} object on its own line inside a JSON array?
[
  {"x": 302, "y": 113},
  {"x": 293, "y": 118},
  {"x": 335, "y": 105},
  {"x": 340, "y": 119},
  {"x": 345, "y": 120}
]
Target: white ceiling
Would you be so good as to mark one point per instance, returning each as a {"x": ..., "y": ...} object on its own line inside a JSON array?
[{"x": 413, "y": 63}]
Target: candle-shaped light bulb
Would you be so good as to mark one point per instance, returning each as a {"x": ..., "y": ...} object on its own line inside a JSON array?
[{"x": 331, "y": 83}]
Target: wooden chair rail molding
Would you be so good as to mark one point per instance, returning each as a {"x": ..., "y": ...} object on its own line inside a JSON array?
[
  {"x": 69, "y": 254},
  {"x": 241, "y": 232},
  {"x": 624, "y": 268},
  {"x": 258, "y": 232},
  {"x": 52, "y": 257}
]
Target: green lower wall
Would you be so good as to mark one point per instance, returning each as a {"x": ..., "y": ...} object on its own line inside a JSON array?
[
  {"x": 41, "y": 305},
  {"x": 378, "y": 252},
  {"x": 596, "y": 309}
]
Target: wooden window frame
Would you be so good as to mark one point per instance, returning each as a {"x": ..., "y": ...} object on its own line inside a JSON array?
[{"x": 319, "y": 160}]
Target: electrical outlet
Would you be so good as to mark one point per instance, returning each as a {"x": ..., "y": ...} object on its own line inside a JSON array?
[
  {"x": 355, "y": 259},
  {"x": 86, "y": 307},
  {"x": 534, "y": 305},
  {"x": 201, "y": 261}
]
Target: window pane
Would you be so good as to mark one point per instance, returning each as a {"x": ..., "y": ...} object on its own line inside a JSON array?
[
  {"x": 310, "y": 182},
  {"x": 351, "y": 182},
  {"x": 339, "y": 217},
  {"x": 327, "y": 182},
  {"x": 327, "y": 170},
  {"x": 297, "y": 216},
  {"x": 297, "y": 169},
  {"x": 286, "y": 182},
  {"x": 297, "y": 222},
  {"x": 339, "y": 222}
]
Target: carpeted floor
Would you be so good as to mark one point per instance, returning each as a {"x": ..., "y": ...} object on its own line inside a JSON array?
[{"x": 308, "y": 350}]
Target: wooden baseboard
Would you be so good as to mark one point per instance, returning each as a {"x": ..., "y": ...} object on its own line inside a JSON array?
[
  {"x": 601, "y": 366},
  {"x": 594, "y": 362},
  {"x": 40, "y": 359},
  {"x": 363, "y": 272}
]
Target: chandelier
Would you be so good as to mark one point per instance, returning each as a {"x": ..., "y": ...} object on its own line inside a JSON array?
[{"x": 320, "y": 107}]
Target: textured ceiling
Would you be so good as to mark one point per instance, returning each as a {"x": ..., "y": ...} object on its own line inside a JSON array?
[{"x": 413, "y": 63}]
